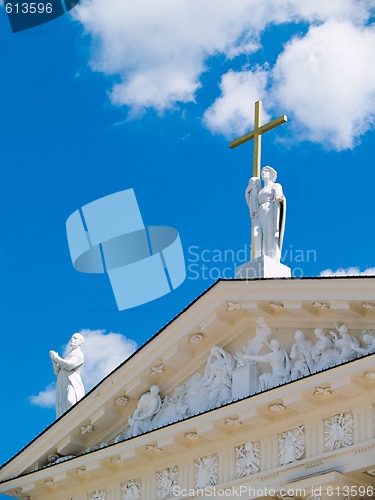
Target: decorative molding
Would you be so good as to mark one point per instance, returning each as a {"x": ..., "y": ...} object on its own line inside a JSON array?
[
  {"x": 314, "y": 464},
  {"x": 192, "y": 436},
  {"x": 86, "y": 429},
  {"x": 322, "y": 391},
  {"x": 269, "y": 476},
  {"x": 276, "y": 407},
  {"x": 368, "y": 305},
  {"x": 247, "y": 459},
  {"x": 233, "y": 306},
  {"x": 338, "y": 431},
  {"x": 97, "y": 495},
  {"x": 52, "y": 457},
  {"x": 365, "y": 449},
  {"x": 121, "y": 401},
  {"x": 196, "y": 338},
  {"x": 276, "y": 305},
  {"x": 81, "y": 471},
  {"x": 292, "y": 445},
  {"x": 167, "y": 480},
  {"x": 206, "y": 471},
  {"x": 233, "y": 421},
  {"x": 153, "y": 447},
  {"x": 321, "y": 305},
  {"x": 157, "y": 369},
  {"x": 131, "y": 490}
]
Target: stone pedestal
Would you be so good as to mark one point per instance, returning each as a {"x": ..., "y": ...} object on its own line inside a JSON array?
[
  {"x": 244, "y": 381},
  {"x": 263, "y": 267}
]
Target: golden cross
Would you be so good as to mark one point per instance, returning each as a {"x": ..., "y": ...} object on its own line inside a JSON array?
[{"x": 256, "y": 134}]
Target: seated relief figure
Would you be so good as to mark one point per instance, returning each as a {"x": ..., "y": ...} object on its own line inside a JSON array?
[
  {"x": 368, "y": 338},
  {"x": 279, "y": 360},
  {"x": 218, "y": 377},
  {"x": 148, "y": 406},
  {"x": 344, "y": 343},
  {"x": 324, "y": 353},
  {"x": 301, "y": 356}
]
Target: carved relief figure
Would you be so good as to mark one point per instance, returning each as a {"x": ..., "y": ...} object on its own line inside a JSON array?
[
  {"x": 369, "y": 339},
  {"x": 69, "y": 386},
  {"x": 301, "y": 356},
  {"x": 279, "y": 360},
  {"x": 253, "y": 348},
  {"x": 247, "y": 459},
  {"x": 218, "y": 377},
  {"x": 173, "y": 408},
  {"x": 324, "y": 353},
  {"x": 148, "y": 405},
  {"x": 167, "y": 480},
  {"x": 291, "y": 445},
  {"x": 267, "y": 209},
  {"x": 206, "y": 471},
  {"x": 344, "y": 343},
  {"x": 131, "y": 490}
]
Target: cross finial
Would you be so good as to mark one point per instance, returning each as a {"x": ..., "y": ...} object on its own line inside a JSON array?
[{"x": 256, "y": 134}]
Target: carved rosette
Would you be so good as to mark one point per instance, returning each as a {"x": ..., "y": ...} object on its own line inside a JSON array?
[
  {"x": 206, "y": 471},
  {"x": 167, "y": 480},
  {"x": 247, "y": 459},
  {"x": 291, "y": 445},
  {"x": 131, "y": 490},
  {"x": 338, "y": 431}
]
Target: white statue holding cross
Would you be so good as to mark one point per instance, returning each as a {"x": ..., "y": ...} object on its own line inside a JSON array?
[
  {"x": 267, "y": 203},
  {"x": 267, "y": 206}
]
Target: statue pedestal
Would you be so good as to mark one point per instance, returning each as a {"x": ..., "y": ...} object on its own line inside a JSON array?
[
  {"x": 263, "y": 267},
  {"x": 244, "y": 381}
]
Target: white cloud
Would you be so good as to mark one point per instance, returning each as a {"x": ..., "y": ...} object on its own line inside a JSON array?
[
  {"x": 45, "y": 398},
  {"x": 103, "y": 353},
  {"x": 350, "y": 271},
  {"x": 157, "y": 50},
  {"x": 233, "y": 112},
  {"x": 326, "y": 82}
]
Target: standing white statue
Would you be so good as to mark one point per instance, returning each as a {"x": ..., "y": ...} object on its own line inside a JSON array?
[
  {"x": 267, "y": 207},
  {"x": 148, "y": 405},
  {"x": 69, "y": 386}
]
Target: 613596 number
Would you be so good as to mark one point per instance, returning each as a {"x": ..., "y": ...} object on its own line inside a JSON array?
[{"x": 28, "y": 8}]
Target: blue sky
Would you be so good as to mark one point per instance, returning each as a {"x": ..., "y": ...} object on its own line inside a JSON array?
[{"x": 147, "y": 97}]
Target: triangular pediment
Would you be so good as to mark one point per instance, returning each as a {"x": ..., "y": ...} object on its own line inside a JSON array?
[{"x": 225, "y": 316}]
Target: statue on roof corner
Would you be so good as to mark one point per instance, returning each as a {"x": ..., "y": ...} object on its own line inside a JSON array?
[
  {"x": 267, "y": 207},
  {"x": 69, "y": 386}
]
